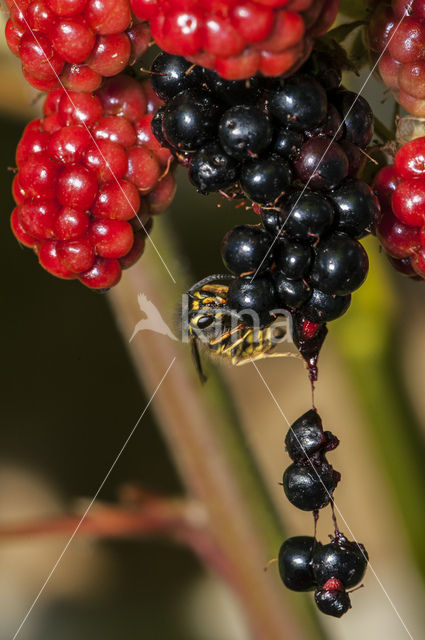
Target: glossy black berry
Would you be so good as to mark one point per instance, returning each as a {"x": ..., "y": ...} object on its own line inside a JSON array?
[
  {"x": 310, "y": 486},
  {"x": 324, "y": 307},
  {"x": 211, "y": 169},
  {"x": 190, "y": 119},
  {"x": 291, "y": 293},
  {"x": 305, "y": 436},
  {"x": 245, "y": 248},
  {"x": 156, "y": 126},
  {"x": 266, "y": 179},
  {"x": 357, "y": 208},
  {"x": 331, "y": 126},
  {"x": 245, "y": 131},
  {"x": 301, "y": 102},
  {"x": 293, "y": 258},
  {"x": 272, "y": 221},
  {"x": 357, "y": 116},
  {"x": 340, "y": 266},
  {"x": 332, "y": 603},
  {"x": 254, "y": 297},
  {"x": 306, "y": 215},
  {"x": 295, "y": 563},
  {"x": 354, "y": 157},
  {"x": 288, "y": 142},
  {"x": 233, "y": 92},
  {"x": 341, "y": 559},
  {"x": 172, "y": 74},
  {"x": 321, "y": 164}
]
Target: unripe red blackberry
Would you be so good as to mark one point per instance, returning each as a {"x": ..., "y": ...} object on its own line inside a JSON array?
[
  {"x": 237, "y": 39},
  {"x": 75, "y": 43},
  {"x": 86, "y": 172},
  {"x": 400, "y": 189},
  {"x": 396, "y": 36}
]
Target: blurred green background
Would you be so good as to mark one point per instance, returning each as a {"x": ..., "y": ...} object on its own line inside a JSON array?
[{"x": 70, "y": 397}]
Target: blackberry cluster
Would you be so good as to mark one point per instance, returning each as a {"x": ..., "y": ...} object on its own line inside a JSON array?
[
  {"x": 309, "y": 482},
  {"x": 306, "y": 565},
  {"x": 271, "y": 141},
  {"x": 402, "y": 66},
  {"x": 239, "y": 38},
  {"x": 313, "y": 267},
  {"x": 90, "y": 176},
  {"x": 78, "y": 41},
  {"x": 401, "y": 191},
  {"x": 261, "y": 138}
]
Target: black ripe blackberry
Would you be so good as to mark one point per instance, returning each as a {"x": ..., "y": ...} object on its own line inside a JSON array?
[
  {"x": 325, "y": 307},
  {"x": 357, "y": 208},
  {"x": 263, "y": 124},
  {"x": 189, "y": 120},
  {"x": 310, "y": 481},
  {"x": 306, "y": 437},
  {"x": 288, "y": 142},
  {"x": 332, "y": 599},
  {"x": 291, "y": 293},
  {"x": 321, "y": 163},
  {"x": 309, "y": 485},
  {"x": 357, "y": 115},
  {"x": 172, "y": 74},
  {"x": 211, "y": 169},
  {"x": 233, "y": 92},
  {"x": 265, "y": 180},
  {"x": 281, "y": 145},
  {"x": 340, "y": 266},
  {"x": 306, "y": 215},
  {"x": 246, "y": 248},
  {"x": 295, "y": 563},
  {"x": 255, "y": 298},
  {"x": 293, "y": 258},
  {"x": 300, "y": 102},
  {"x": 245, "y": 131},
  {"x": 341, "y": 559}
]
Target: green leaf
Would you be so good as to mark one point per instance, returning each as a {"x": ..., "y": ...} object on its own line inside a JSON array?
[{"x": 343, "y": 30}]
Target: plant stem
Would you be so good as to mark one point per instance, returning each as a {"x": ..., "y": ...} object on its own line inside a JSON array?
[{"x": 201, "y": 429}]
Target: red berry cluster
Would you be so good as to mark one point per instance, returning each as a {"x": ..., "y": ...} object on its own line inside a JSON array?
[
  {"x": 90, "y": 176},
  {"x": 79, "y": 41},
  {"x": 401, "y": 190},
  {"x": 402, "y": 66},
  {"x": 237, "y": 38}
]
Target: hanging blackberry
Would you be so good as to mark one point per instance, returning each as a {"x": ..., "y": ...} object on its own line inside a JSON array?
[
  {"x": 305, "y": 564},
  {"x": 310, "y": 481}
]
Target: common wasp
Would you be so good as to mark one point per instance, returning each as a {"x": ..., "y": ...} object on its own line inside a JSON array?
[{"x": 224, "y": 331}]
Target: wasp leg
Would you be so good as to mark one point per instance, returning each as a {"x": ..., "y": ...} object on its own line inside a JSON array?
[
  {"x": 197, "y": 360},
  {"x": 226, "y": 335},
  {"x": 237, "y": 343},
  {"x": 261, "y": 356}
]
